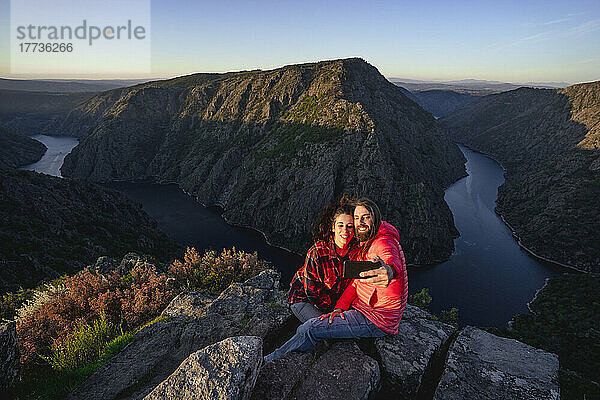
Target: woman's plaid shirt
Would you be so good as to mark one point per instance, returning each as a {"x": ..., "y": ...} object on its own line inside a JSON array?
[{"x": 319, "y": 281}]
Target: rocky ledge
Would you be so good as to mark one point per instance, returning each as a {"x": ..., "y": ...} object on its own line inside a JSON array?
[{"x": 212, "y": 348}]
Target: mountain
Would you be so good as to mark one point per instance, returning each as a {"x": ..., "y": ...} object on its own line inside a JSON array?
[
  {"x": 34, "y": 113},
  {"x": 50, "y": 226},
  {"x": 17, "y": 150},
  {"x": 549, "y": 143},
  {"x": 441, "y": 102},
  {"x": 273, "y": 147}
]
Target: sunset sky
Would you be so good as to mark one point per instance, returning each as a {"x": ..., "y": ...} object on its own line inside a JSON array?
[{"x": 511, "y": 41}]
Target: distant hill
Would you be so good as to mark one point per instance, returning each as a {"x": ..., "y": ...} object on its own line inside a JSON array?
[
  {"x": 471, "y": 86},
  {"x": 549, "y": 143},
  {"x": 442, "y": 102},
  {"x": 66, "y": 86},
  {"x": 17, "y": 150},
  {"x": 273, "y": 147},
  {"x": 51, "y": 226},
  {"x": 33, "y": 113}
]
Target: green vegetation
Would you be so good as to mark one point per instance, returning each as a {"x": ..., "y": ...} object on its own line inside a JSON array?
[
  {"x": 565, "y": 322},
  {"x": 17, "y": 150},
  {"x": 69, "y": 328},
  {"x": 84, "y": 346},
  {"x": 286, "y": 139},
  {"x": 423, "y": 300}
]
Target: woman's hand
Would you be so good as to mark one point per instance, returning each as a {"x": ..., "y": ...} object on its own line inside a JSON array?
[{"x": 332, "y": 315}]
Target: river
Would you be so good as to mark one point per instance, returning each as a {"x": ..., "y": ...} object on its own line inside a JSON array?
[{"x": 488, "y": 277}]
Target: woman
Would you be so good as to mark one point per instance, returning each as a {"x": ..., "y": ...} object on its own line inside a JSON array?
[
  {"x": 318, "y": 284},
  {"x": 364, "y": 310}
]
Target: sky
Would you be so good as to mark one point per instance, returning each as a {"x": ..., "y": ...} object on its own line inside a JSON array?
[{"x": 509, "y": 41}]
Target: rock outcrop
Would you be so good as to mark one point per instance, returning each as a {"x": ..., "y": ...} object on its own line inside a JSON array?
[
  {"x": 9, "y": 355},
  {"x": 273, "y": 147},
  {"x": 52, "y": 226},
  {"x": 17, "y": 150},
  {"x": 225, "y": 370},
  {"x": 410, "y": 358},
  {"x": 549, "y": 143},
  {"x": 344, "y": 372},
  {"x": 484, "y": 366},
  {"x": 198, "y": 353}
]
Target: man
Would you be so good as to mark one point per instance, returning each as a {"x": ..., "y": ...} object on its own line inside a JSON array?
[
  {"x": 385, "y": 287},
  {"x": 367, "y": 221}
]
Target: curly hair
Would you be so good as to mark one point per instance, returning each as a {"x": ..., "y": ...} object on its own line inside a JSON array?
[{"x": 321, "y": 229}]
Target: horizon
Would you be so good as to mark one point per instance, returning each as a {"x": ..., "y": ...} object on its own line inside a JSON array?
[{"x": 513, "y": 42}]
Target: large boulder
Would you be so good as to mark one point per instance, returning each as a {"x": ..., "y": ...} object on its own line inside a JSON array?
[
  {"x": 484, "y": 366},
  {"x": 344, "y": 372},
  {"x": 194, "y": 323},
  {"x": 9, "y": 355},
  {"x": 188, "y": 304},
  {"x": 226, "y": 370},
  {"x": 278, "y": 378},
  {"x": 410, "y": 358}
]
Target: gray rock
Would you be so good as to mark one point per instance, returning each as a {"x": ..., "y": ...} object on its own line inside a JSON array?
[
  {"x": 224, "y": 370},
  {"x": 277, "y": 379},
  {"x": 129, "y": 261},
  {"x": 105, "y": 264},
  {"x": 416, "y": 312},
  {"x": 9, "y": 355},
  {"x": 409, "y": 357},
  {"x": 344, "y": 372},
  {"x": 188, "y": 304},
  {"x": 484, "y": 366},
  {"x": 268, "y": 279}
]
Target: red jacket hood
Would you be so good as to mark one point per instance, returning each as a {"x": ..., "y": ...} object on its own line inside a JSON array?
[{"x": 386, "y": 229}]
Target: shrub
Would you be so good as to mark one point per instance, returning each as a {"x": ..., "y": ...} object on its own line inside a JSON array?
[
  {"x": 450, "y": 316},
  {"x": 53, "y": 316},
  {"x": 422, "y": 299},
  {"x": 82, "y": 347},
  {"x": 213, "y": 273}
]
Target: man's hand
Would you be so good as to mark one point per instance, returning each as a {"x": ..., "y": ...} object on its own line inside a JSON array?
[
  {"x": 333, "y": 314},
  {"x": 381, "y": 276}
]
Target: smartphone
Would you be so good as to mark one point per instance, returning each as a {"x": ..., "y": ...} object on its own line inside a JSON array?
[{"x": 352, "y": 269}]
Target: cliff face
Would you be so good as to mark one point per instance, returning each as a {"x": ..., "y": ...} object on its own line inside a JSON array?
[
  {"x": 17, "y": 150},
  {"x": 273, "y": 147},
  {"x": 51, "y": 226},
  {"x": 549, "y": 143}
]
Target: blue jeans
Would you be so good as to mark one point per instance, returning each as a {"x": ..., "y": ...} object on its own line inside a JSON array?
[
  {"x": 305, "y": 311},
  {"x": 355, "y": 326}
]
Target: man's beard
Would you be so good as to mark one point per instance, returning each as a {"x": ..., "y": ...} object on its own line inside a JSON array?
[{"x": 363, "y": 236}]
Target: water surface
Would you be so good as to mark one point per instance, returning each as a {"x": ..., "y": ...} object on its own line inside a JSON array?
[
  {"x": 489, "y": 278},
  {"x": 52, "y": 160}
]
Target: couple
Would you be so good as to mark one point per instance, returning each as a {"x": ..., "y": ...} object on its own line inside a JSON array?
[{"x": 367, "y": 307}]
